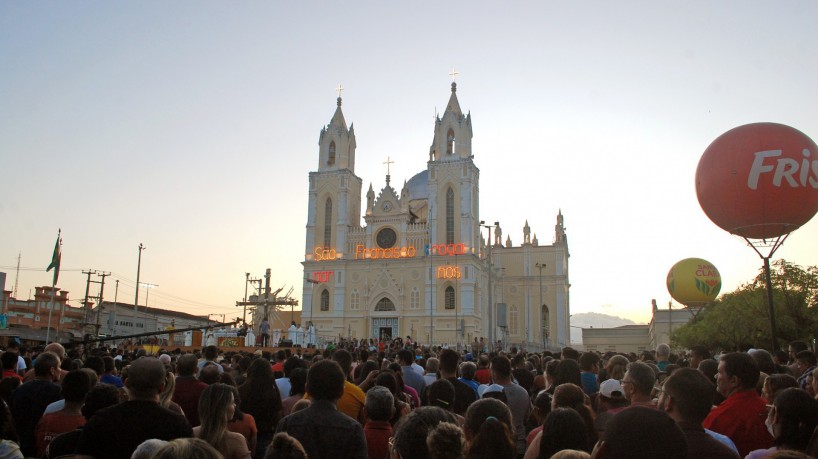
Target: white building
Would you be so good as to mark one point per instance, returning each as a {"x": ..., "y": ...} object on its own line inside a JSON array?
[{"x": 418, "y": 264}]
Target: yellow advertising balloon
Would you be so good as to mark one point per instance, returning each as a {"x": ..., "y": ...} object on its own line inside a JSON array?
[{"x": 693, "y": 282}]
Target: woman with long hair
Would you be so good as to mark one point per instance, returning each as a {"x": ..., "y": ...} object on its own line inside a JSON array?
[
  {"x": 563, "y": 429},
  {"x": 216, "y": 408},
  {"x": 298, "y": 386},
  {"x": 243, "y": 423},
  {"x": 489, "y": 431},
  {"x": 387, "y": 379},
  {"x": 165, "y": 398},
  {"x": 792, "y": 421},
  {"x": 572, "y": 396},
  {"x": 260, "y": 397}
]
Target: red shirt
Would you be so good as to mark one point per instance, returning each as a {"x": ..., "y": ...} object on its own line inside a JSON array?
[
  {"x": 12, "y": 374},
  {"x": 741, "y": 417},
  {"x": 377, "y": 438},
  {"x": 483, "y": 376}
]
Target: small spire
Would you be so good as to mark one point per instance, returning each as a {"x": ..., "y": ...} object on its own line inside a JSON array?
[
  {"x": 339, "y": 101},
  {"x": 454, "y": 87}
]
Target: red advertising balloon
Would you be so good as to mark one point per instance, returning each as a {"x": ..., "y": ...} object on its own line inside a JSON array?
[{"x": 759, "y": 180}]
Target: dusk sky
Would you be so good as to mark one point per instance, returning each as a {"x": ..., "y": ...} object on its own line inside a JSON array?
[{"x": 191, "y": 127}]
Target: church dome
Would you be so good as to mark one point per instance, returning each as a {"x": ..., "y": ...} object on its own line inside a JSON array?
[{"x": 418, "y": 186}]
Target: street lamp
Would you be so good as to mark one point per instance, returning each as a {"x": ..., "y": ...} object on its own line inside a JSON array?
[
  {"x": 491, "y": 297},
  {"x": 540, "y": 266}
]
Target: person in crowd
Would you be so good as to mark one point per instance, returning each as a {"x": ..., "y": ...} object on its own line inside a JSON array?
[
  {"x": 9, "y": 441},
  {"x": 243, "y": 423},
  {"x": 794, "y": 348},
  {"x": 638, "y": 384},
  {"x": 541, "y": 406},
  {"x": 445, "y": 441},
  {"x": 411, "y": 377},
  {"x": 489, "y": 430},
  {"x": 56, "y": 349},
  {"x": 662, "y": 356},
  {"x": 764, "y": 360},
  {"x": 166, "y": 396},
  {"x": 109, "y": 376},
  {"x": 567, "y": 371},
  {"x": 264, "y": 329},
  {"x": 589, "y": 367},
  {"x": 321, "y": 428},
  {"x": 188, "y": 389},
  {"x": 403, "y": 406},
  {"x": 687, "y": 397},
  {"x": 775, "y": 383},
  {"x": 284, "y": 446},
  {"x": 430, "y": 372},
  {"x": 792, "y": 421},
  {"x": 741, "y": 415},
  {"x": 571, "y": 454},
  {"x": 209, "y": 356},
  {"x": 283, "y": 383},
  {"x": 75, "y": 386},
  {"x": 297, "y": 383},
  {"x": 32, "y": 397},
  {"x": 100, "y": 396},
  {"x": 696, "y": 355},
  {"x": 441, "y": 394},
  {"x": 572, "y": 396},
  {"x": 409, "y": 440},
  {"x": 520, "y": 373},
  {"x": 467, "y": 371},
  {"x": 104, "y": 435},
  {"x": 609, "y": 401},
  {"x": 814, "y": 384},
  {"x": 616, "y": 367},
  {"x": 216, "y": 408},
  {"x": 640, "y": 432},
  {"x": 483, "y": 373},
  {"x": 187, "y": 448},
  {"x": 351, "y": 402},
  {"x": 379, "y": 408},
  {"x": 9, "y": 361},
  {"x": 805, "y": 362},
  {"x": 518, "y": 400},
  {"x": 563, "y": 429},
  {"x": 465, "y": 394},
  {"x": 260, "y": 398},
  {"x": 410, "y": 394},
  {"x": 148, "y": 449}
]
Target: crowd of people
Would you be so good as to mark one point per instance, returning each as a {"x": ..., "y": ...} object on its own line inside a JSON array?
[{"x": 404, "y": 400}]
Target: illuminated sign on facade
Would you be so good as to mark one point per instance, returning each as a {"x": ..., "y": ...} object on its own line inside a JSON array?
[
  {"x": 322, "y": 254},
  {"x": 322, "y": 276},
  {"x": 448, "y": 272},
  {"x": 363, "y": 253},
  {"x": 446, "y": 249}
]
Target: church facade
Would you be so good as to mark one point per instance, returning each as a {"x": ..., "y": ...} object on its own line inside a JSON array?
[{"x": 418, "y": 264}]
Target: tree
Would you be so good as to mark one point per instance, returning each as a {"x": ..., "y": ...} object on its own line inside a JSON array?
[{"x": 740, "y": 319}]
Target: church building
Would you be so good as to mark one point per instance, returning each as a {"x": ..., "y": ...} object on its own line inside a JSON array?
[{"x": 417, "y": 264}]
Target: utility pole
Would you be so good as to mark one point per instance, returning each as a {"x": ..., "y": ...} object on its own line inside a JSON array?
[
  {"x": 491, "y": 292},
  {"x": 138, "y": 269},
  {"x": 99, "y": 305},
  {"x": 87, "y": 290},
  {"x": 113, "y": 321},
  {"x": 246, "y": 281},
  {"x": 17, "y": 276}
]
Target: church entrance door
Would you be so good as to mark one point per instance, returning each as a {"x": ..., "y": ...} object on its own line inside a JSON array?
[{"x": 385, "y": 327}]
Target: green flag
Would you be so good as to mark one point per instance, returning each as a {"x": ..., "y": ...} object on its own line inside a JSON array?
[{"x": 55, "y": 259}]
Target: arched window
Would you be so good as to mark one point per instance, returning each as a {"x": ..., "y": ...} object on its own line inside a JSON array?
[
  {"x": 355, "y": 300},
  {"x": 414, "y": 298},
  {"x": 385, "y": 304},
  {"x": 331, "y": 156},
  {"x": 513, "y": 318},
  {"x": 328, "y": 224},
  {"x": 325, "y": 300},
  {"x": 450, "y": 301},
  {"x": 450, "y": 142},
  {"x": 449, "y": 216}
]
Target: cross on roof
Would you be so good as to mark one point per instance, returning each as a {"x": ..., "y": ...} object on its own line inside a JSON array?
[
  {"x": 340, "y": 89},
  {"x": 453, "y": 74},
  {"x": 388, "y": 163}
]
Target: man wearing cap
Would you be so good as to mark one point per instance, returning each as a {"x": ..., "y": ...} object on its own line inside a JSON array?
[{"x": 611, "y": 400}]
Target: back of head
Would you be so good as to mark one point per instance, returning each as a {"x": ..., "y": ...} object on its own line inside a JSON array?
[
  {"x": 379, "y": 404},
  {"x": 188, "y": 448},
  {"x": 186, "y": 365},
  {"x": 642, "y": 377},
  {"x": 9, "y": 360},
  {"x": 411, "y": 431},
  {"x": 146, "y": 377},
  {"x": 291, "y": 364},
  {"x": 570, "y": 353},
  {"x": 45, "y": 362},
  {"x": 489, "y": 430},
  {"x": 807, "y": 357},
  {"x": 764, "y": 360},
  {"x": 209, "y": 373},
  {"x": 298, "y": 382},
  {"x": 448, "y": 361},
  {"x": 568, "y": 372},
  {"x": 284, "y": 446},
  {"x": 405, "y": 357},
  {"x": 662, "y": 351},
  {"x": 75, "y": 386},
  {"x": 616, "y": 367},
  {"x": 642, "y": 432},
  {"x": 564, "y": 428},
  {"x": 325, "y": 380},
  {"x": 440, "y": 393},
  {"x": 798, "y": 346},
  {"x": 709, "y": 368},
  {"x": 445, "y": 441},
  {"x": 797, "y": 415},
  {"x": 692, "y": 394},
  {"x": 467, "y": 370},
  {"x": 571, "y": 454},
  {"x": 344, "y": 359},
  {"x": 587, "y": 361},
  {"x": 501, "y": 366},
  {"x": 100, "y": 396},
  {"x": 211, "y": 352},
  {"x": 148, "y": 448},
  {"x": 743, "y": 367},
  {"x": 432, "y": 364}
]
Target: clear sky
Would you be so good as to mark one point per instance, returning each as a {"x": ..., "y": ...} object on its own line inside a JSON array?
[{"x": 191, "y": 127}]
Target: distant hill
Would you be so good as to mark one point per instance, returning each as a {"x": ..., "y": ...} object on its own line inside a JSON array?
[{"x": 595, "y": 320}]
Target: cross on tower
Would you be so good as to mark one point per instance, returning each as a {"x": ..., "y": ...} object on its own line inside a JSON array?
[
  {"x": 453, "y": 74},
  {"x": 340, "y": 89},
  {"x": 388, "y": 163}
]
